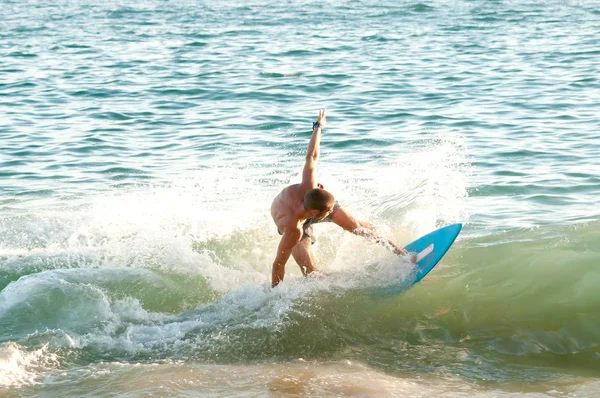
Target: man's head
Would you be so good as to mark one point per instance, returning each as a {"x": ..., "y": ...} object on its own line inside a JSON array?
[{"x": 319, "y": 200}]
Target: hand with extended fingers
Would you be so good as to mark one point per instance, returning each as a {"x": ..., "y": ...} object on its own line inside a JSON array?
[{"x": 321, "y": 120}]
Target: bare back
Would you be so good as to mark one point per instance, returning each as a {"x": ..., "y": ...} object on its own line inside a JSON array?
[{"x": 287, "y": 205}]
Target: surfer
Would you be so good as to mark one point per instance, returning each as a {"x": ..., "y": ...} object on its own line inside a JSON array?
[{"x": 299, "y": 206}]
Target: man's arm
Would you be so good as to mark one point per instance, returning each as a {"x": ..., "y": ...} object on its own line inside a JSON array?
[
  {"x": 361, "y": 228},
  {"x": 369, "y": 231},
  {"x": 312, "y": 155},
  {"x": 284, "y": 250}
]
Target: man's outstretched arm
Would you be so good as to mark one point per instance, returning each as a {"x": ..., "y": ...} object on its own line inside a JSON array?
[
  {"x": 284, "y": 250},
  {"x": 312, "y": 155},
  {"x": 361, "y": 228}
]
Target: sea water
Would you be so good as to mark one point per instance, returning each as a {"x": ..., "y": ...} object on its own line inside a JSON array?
[{"x": 141, "y": 145}]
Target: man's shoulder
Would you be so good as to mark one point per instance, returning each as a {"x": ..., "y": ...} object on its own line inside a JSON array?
[
  {"x": 292, "y": 188},
  {"x": 289, "y": 221},
  {"x": 297, "y": 191},
  {"x": 292, "y": 230}
]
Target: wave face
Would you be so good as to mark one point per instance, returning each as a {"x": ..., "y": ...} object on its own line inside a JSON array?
[{"x": 185, "y": 278}]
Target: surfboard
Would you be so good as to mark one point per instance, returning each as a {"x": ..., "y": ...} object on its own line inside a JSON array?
[{"x": 429, "y": 250}]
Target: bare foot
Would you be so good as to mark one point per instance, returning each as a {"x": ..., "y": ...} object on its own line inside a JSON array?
[{"x": 318, "y": 274}]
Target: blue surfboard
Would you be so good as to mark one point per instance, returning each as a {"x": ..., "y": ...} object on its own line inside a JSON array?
[{"x": 429, "y": 250}]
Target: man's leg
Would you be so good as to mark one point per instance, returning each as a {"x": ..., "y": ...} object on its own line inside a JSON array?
[{"x": 302, "y": 253}]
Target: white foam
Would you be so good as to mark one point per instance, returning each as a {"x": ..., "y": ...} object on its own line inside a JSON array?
[
  {"x": 19, "y": 367},
  {"x": 251, "y": 306},
  {"x": 159, "y": 226},
  {"x": 215, "y": 223}
]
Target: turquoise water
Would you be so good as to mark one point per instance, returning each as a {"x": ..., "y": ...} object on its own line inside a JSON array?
[{"x": 142, "y": 144}]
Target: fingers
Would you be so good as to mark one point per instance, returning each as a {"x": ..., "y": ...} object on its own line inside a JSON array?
[{"x": 322, "y": 118}]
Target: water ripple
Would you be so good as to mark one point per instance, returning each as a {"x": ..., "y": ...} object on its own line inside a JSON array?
[{"x": 170, "y": 87}]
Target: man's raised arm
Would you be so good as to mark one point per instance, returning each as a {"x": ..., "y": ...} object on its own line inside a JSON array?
[{"x": 312, "y": 155}]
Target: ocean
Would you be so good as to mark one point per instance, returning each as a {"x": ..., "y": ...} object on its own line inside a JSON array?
[{"x": 141, "y": 145}]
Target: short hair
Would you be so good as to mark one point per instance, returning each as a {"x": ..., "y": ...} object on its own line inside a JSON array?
[{"x": 318, "y": 199}]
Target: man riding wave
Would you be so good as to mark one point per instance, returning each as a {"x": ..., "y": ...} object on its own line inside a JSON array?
[{"x": 297, "y": 207}]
